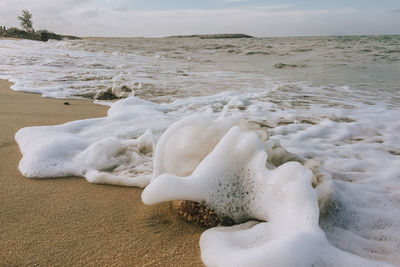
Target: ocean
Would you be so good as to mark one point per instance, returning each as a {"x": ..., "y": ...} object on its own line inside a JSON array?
[{"x": 332, "y": 102}]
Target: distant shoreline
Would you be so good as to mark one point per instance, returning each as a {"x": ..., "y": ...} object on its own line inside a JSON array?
[
  {"x": 213, "y": 36},
  {"x": 222, "y": 36},
  {"x": 40, "y": 35}
]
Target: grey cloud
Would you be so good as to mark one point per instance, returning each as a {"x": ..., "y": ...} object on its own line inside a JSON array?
[
  {"x": 120, "y": 9},
  {"x": 90, "y": 13},
  {"x": 105, "y": 18}
]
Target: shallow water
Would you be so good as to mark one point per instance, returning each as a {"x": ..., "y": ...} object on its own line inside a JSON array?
[
  {"x": 331, "y": 99},
  {"x": 178, "y": 67}
]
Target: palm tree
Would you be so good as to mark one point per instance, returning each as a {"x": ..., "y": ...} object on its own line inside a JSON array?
[{"x": 26, "y": 20}]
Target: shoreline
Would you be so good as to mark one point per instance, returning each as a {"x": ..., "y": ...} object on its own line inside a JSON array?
[{"x": 68, "y": 221}]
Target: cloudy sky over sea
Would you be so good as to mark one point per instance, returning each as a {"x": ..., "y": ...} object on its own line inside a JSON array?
[{"x": 178, "y": 17}]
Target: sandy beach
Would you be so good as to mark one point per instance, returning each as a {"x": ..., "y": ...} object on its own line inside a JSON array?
[{"x": 70, "y": 222}]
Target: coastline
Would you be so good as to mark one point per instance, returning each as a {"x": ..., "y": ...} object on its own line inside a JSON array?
[{"x": 70, "y": 221}]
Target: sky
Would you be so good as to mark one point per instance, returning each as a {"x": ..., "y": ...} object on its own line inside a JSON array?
[{"x": 158, "y": 18}]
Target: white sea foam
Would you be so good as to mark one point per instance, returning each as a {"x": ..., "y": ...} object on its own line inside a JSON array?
[
  {"x": 187, "y": 142},
  {"x": 340, "y": 142},
  {"x": 120, "y": 142},
  {"x": 233, "y": 180},
  {"x": 347, "y": 135},
  {"x": 261, "y": 244}
]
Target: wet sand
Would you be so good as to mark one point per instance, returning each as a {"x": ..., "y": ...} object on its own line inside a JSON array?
[
  {"x": 70, "y": 222},
  {"x": 9, "y": 38}
]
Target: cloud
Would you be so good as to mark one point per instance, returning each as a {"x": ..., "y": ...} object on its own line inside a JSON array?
[
  {"x": 254, "y": 22},
  {"x": 91, "y": 13},
  {"x": 82, "y": 18}
]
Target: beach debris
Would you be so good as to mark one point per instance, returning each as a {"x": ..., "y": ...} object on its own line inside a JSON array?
[
  {"x": 105, "y": 95},
  {"x": 199, "y": 214},
  {"x": 122, "y": 90},
  {"x": 66, "y": 103},
  {"x": 251, "y": 53},
  {"x": 117, "y": 91},
  {"x": 284, "y": 65}
]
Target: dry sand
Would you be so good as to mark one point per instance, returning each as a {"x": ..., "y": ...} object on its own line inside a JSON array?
[{"x": 70, "y": 222}]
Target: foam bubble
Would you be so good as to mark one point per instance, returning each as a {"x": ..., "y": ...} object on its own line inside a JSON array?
[{"x": 191, "y": 139}]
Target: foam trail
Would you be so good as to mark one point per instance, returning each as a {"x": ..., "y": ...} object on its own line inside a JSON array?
[
  {"x": 116, "y": 149},
  {"x": 234, "y": 181},
  {"x": 256, "y": 244},
  {"x": 97, "y": 177}
]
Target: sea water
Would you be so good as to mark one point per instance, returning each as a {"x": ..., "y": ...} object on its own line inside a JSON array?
[{"x": 332, "y": 102}]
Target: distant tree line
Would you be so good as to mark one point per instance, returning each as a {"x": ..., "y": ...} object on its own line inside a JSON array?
[{"x": 29, "y": 32}]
